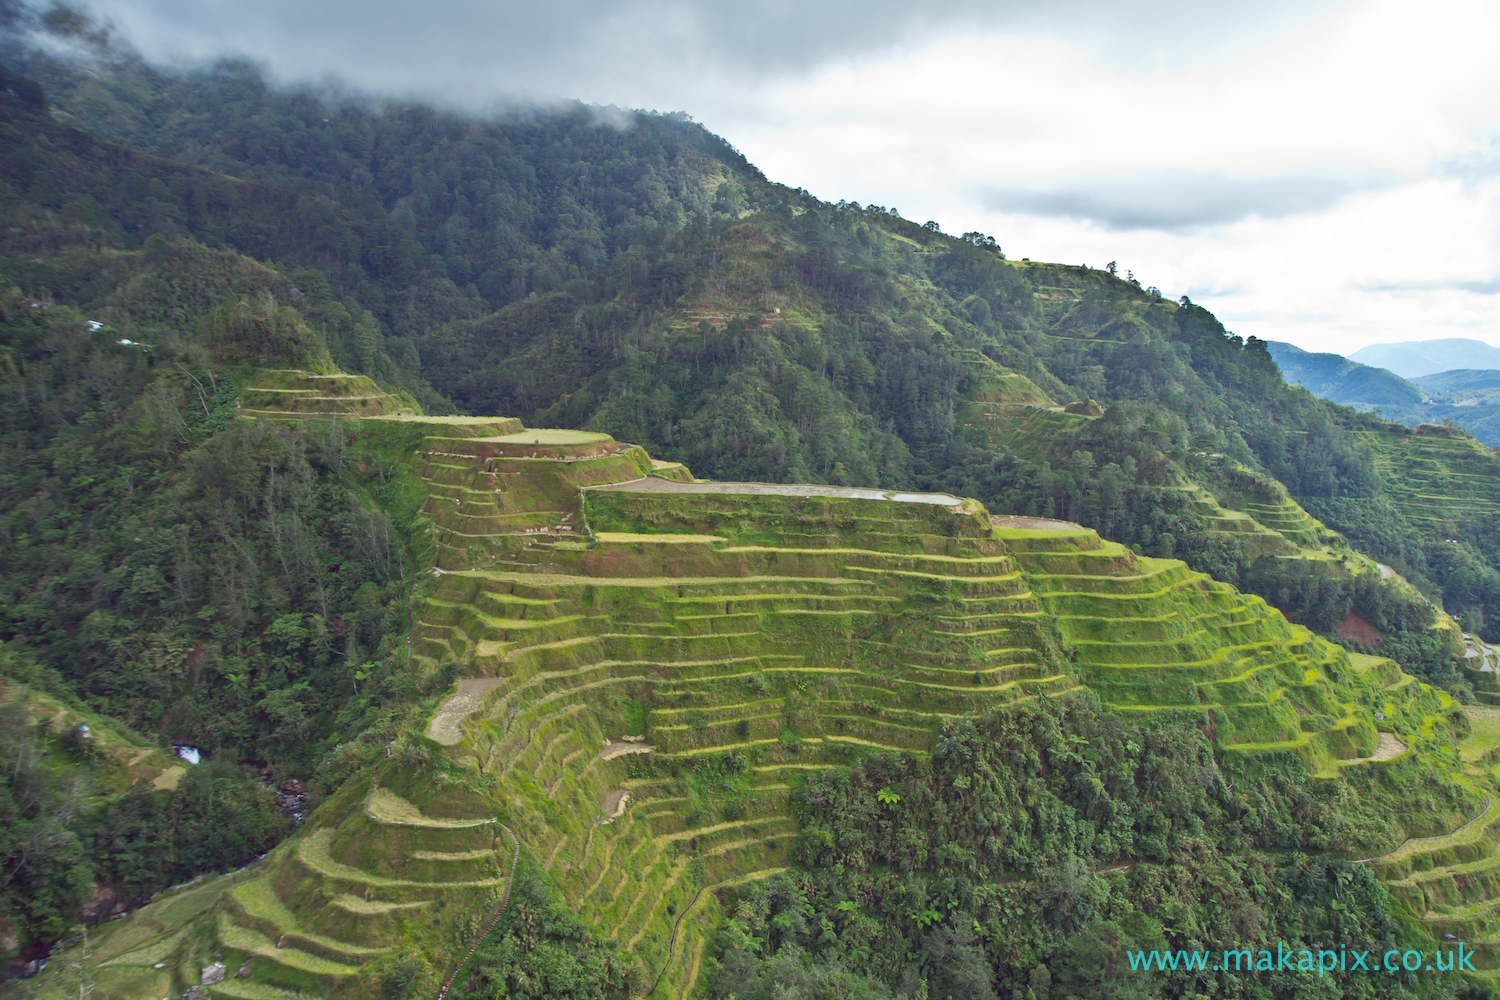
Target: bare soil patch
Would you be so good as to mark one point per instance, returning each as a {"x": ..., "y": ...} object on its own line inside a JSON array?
[
  {"x": 1387, "y": 747},
  {"x": 1356, "y": 628},
  {"x": 619, "y": 748},
  {"x": 1032, "y": 523},
  {"x": 614, "y": 806},
  {"x": 446, "y": 726}
]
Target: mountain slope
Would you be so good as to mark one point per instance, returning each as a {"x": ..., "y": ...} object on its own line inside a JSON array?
[
  {"x": 797, "y": 341},
  {"x": 1466, "y": 398},
  {"x": 1462, "y": 381},
  {"x": 240, "y": 527},
  {"x": 886, "y": 285},
  {"x": 675, "y": 678},
  {"x": 1339, "y": 380},
  {"x": 1434, "y": 518},
  {"x": 800, "y": 341},
  {"x": 500, "y": 209}
]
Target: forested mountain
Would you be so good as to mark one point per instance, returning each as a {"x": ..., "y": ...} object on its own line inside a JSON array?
[
  {"x": 1465, "y": 381},
  {"x": 181, "y": 253},
  {"x": 1337, "y": 379}
]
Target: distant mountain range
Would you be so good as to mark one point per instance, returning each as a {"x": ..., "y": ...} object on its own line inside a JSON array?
[
  {"x": 1413, "y": 359},
  {"x": 1468, "y": 396}
]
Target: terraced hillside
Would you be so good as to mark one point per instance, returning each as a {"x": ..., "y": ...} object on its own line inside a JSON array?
[
  {"x": 1451, "y": 882},
  {"x": 1278, "y": 529},
  {"x": 1007, "y": 413},
  {"x": 1436, "y": 517},
  {"x": 116, "y": 759},
  {"x": 1482, "y": 668},
  {"x": 629, "y": 670},
  {"x": 1437, "y": 476},
  {"x": 320, "y": 912},
  {"x": 652, "y": 670},
  {"x": 647, "y": 692},
  {"x": 1004, "y": 410},
  {"x": 649, "y": 665},
  {"x": 290, "y": 393},
  {"x": 1150, "y": 635}
]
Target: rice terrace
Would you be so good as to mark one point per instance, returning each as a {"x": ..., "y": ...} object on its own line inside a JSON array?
[
  {"x": 622, "y": 630},
  {"x": 458, "y": 542}
]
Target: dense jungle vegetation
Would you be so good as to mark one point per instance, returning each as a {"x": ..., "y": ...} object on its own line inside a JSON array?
[
  {"x": 1125, "y": 838},
  {"x": 246, "y": 588},
  {"x": 57, "y": 847},
  {"x": 235, "y": 587}
]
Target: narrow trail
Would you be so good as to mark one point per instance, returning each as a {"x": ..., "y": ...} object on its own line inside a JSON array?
[
  {"x": 494, "y": 915},
  {"x": 677, "y": 924},
  {"x": 672, "y": 941},
  {"x": 1442, "y": 836}
]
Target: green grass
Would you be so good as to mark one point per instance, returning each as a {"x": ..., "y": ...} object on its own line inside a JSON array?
[
  {"x": 246, "y": 989},
  {"x": 255, "y": 943},
  {"x": 293, "y": 394},
  {"x": 1484, "y": 734},
  {"x": 388, "y": 807},
  {"x": 312, "y": 851}
]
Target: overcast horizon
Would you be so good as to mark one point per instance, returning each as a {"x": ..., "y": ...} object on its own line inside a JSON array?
[{"x": 1324, "y": 174}]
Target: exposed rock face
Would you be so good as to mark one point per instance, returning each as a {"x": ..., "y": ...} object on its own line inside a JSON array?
[{"x": 103, "y": 902}]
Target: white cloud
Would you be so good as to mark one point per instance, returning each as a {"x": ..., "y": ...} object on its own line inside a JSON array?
[
  {"x": 699, "y": 55},
  {"x": 1298, "y": 188}
]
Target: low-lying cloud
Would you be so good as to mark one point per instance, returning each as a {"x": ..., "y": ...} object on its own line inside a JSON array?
[{"x": 1169, "y": 201}]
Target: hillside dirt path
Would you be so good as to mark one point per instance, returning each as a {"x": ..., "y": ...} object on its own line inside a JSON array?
[
  {"x": 1442, "y": 836},
  {"x": 677, "y": 926},
  {"x": 494, "y": 915}
]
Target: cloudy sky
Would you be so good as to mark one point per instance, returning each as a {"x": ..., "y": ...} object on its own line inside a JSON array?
[{"x": 1318, "y": 172}]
